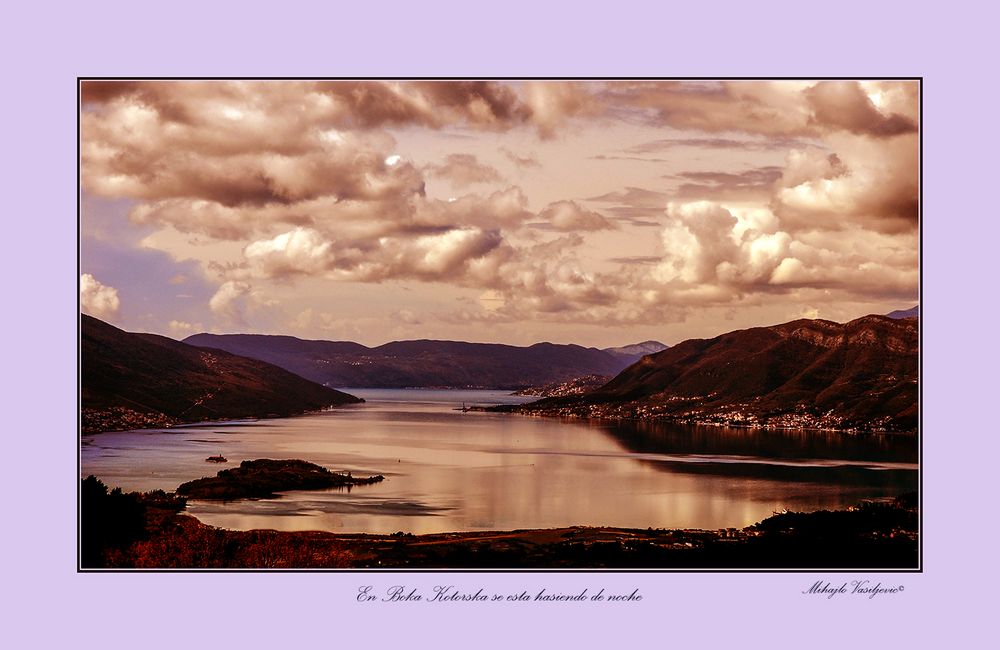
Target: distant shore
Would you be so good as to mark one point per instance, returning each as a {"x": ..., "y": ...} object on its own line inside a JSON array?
[
  {"x": 625, "y": 415},
  {"x": 118, "y": 419}
]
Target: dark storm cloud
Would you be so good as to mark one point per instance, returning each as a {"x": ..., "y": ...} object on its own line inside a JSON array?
[{"x": 843, "y": 104}]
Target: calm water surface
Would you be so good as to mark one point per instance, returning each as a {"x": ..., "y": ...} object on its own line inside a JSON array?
[{"x": 452, "y": 471}]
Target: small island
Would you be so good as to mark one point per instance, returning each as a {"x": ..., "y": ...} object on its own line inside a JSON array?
[
  {"x": 263, "y": 478},
  {"x": 150, "y": 530}
]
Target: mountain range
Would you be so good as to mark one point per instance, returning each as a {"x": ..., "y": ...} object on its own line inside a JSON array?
[
  {"x": 428, "y": 363},
  {"x": 860, "y": 375},
  {"x": 140, "y": 380},
  {"x": 805, "y": 373}
]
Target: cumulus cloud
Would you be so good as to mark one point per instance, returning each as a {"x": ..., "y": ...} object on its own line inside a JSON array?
[
  {"x": 555, "y": 103},
  {"x": 706, "y": 245},
  {"x": 712, "y": 256},
  {"x": 344, "y": 219},
  {"x": 244, "y": 161},
  {"x": 181, "y": 329},
  {"x": 760, "y": 107},
  {"x": 229, "y": 302},
  {"x": 768, "y": 108},
  {"x": 462, "y": 170},
  {"x": 130, "y": 151},
  {"x": 568, "y": 216},
  {"x": 306, "y": 180},
  {"x": 869, "y": 182},
  {"x": 433, "y": 257},
  {"x": 434, "y": 104},
  {"x": 300, "y": 251},
  {"x": 446, "y": 255},
  {"x": 711, "y": 259},
  {"x": 696, "y": 241},
  {"x": 505, "y": 208},
  {"x": 845, "y": 105},
  {"x": 97, "y": 299},
  {"x": 351, "y": 105},
  {"x": 548, "y": 281}
]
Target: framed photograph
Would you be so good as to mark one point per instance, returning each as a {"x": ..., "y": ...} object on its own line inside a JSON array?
[{"x": 500, "y": 324}]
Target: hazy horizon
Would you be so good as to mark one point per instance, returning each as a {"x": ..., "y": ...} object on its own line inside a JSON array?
[{"x": 183, "y": 337}]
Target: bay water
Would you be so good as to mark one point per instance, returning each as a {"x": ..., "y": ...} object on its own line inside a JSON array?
[{"x": 449, "y": 469}]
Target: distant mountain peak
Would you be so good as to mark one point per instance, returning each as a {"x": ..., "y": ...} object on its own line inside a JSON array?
[
  {"x": 912, "y": 312},
  {"x": 638, "y": 349}
]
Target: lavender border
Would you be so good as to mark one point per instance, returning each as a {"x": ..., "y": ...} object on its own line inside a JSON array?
[{"x": 48, "y": 48}]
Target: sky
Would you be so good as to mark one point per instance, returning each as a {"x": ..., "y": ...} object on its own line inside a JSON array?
[{"x": 600, "y": 213}]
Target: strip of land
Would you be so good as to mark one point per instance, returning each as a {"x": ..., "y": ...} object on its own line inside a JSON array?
[{"x": 149, "y": 531}]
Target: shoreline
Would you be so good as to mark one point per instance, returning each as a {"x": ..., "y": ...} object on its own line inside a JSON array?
[
  {"x": 516, "y": 409},
  {"x": 180, "y": 424},
  {"x": 150, "y": 531}
]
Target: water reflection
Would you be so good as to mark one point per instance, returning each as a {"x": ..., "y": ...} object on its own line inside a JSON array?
[
  {"x": 777, "y": 443},
  {"x": 886, "y": 461},
  {"x": 448, "y": 470}
]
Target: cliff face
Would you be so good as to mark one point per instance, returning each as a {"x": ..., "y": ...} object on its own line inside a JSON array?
[
  {"x": 813, "y": 373},
  {"x": 135, "y": 380}
]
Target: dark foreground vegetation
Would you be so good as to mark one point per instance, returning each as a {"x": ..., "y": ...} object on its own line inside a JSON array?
[
  {"x": 112, "y": 522},
  {"x": 262, "y": 479},
  {"x": 136, "y": 530}
]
